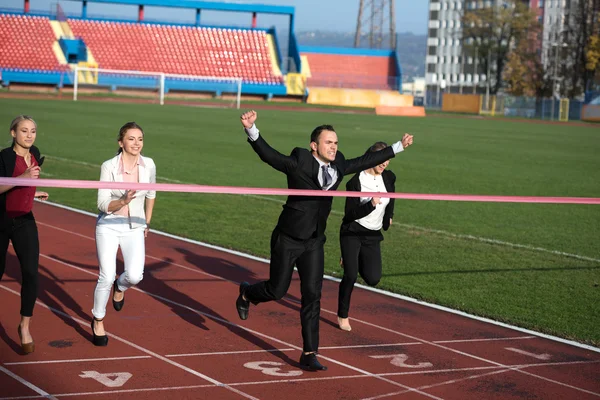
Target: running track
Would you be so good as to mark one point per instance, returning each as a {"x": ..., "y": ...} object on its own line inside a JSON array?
[{"x": 179, "y": 336}]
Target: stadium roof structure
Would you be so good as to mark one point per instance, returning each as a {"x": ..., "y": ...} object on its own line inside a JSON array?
[{"x": 204, "y": 5}]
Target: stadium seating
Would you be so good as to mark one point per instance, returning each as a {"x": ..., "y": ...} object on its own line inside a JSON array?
[
  {"x": 351, "y": 71},
  {"x": 26, "y": 44},
  {"x": 178, "y": 49}
]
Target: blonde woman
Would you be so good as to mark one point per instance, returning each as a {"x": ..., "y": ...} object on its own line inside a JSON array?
[
  {"x": 17, "y": 224},
  {"x": 124, "y": 221}
]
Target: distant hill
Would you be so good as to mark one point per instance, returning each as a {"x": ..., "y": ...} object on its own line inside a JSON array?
[{"x": 411, "y": 48}]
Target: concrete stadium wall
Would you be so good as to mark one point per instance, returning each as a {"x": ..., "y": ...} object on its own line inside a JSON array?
[
  {"x": 461, "y": 103},
  {"x": 591, "y": 113},
  {"x": 358, "y": 97}
]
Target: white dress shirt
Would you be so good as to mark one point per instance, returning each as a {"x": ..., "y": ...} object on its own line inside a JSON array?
[{"x": 372, "y": 183}]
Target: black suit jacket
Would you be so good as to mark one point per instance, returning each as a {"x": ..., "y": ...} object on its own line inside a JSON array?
[
  {"x": 8, "y": 158},
  {"x": 304, "y": 217},
  {"x": 354, "y": 210}
]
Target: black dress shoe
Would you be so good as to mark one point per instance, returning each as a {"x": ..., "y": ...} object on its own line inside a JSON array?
[
  {"x": 118, "y": 305},
  {"x": 242, "y": 305},
  {"x": 309, "y": 362},
  {"x": 98, "y": 340}
]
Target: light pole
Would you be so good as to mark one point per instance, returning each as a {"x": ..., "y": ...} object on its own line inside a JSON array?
[
  {"x": 475, "y": 73},
  {"x": 461, "y": 76},
  {"x": 487, "y": 78},
  {"x": 556, "y": 93}
]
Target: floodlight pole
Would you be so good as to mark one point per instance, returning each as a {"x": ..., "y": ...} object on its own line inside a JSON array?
[
  {"x": 372, "y": 14},
  {"x": 475, "y": 72}
]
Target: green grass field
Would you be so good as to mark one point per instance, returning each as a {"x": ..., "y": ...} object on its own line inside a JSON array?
[{"x": 532, "y": 265}]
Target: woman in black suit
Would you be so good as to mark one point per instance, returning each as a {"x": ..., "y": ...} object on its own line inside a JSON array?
[
  {"x": 360, "y": 233},
  {"x": 21, "y": 160}
]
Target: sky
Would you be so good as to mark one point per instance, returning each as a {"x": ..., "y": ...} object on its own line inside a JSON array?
[{"x": 328, "y": 15}]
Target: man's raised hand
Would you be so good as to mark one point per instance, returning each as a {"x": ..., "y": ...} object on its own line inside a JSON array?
[
  {"x": 407, "y": 140},
  {"x": 248, "y": 119}
]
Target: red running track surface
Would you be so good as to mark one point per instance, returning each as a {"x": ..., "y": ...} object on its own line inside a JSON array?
[{"x": 179, "y": 336}]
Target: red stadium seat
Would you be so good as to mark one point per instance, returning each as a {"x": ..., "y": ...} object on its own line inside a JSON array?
[
  {"x": 368, "y": 72},
  {"x": 178, "y": 49},
  {"x": 26, "y": 43}
]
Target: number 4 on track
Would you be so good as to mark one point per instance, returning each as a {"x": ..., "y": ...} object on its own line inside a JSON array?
[
  {"x": 111, "y": 379},
  {"x": 399, "y": 360}
]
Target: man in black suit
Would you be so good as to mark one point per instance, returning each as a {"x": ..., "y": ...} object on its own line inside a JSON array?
[{"x": 299, "y": 236}]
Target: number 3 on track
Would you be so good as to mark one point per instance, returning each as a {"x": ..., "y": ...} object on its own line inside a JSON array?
[{"x": 271, "y": 368}]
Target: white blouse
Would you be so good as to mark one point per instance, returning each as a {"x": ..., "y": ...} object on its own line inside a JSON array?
[
  {"x": 112, "y": 171},
  {"x": 373, "y": 183}
]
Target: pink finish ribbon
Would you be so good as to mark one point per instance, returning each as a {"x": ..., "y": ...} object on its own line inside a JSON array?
[{"x": 189, "y": 188}]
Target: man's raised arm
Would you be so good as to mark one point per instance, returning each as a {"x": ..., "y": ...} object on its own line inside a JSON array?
[
  {"x": 266, "y": 153},
  {"x": 371, "y": 159}
]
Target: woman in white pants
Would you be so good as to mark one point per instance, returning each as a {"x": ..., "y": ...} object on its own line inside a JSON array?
[{"x": 124, "y": 221}]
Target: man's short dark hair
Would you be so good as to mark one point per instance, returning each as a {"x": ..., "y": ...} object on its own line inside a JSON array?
[{"x": 314, "y": 136}]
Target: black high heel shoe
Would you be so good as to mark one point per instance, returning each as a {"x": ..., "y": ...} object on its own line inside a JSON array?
[
  {"x": 98, "y": 340},
  {"x": 117, "y": 305}
]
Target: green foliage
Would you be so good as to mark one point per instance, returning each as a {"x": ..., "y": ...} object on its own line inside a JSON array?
[
  {"x": 593, "y": 51},
  {"x": 501, "y": 35}
]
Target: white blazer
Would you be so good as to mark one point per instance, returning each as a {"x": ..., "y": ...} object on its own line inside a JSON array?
[{"x": 111, "y": 172}]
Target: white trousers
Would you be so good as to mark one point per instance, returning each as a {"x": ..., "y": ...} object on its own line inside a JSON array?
[{"x": 109, "y": 237}]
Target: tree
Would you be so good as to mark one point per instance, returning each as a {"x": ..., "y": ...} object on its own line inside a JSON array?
[
  {"x": 583, "y": 26},
  {"x": 524, "y": 72},
  {"x": 593, "y": 54},
  {"x": 495, "y": 31}
]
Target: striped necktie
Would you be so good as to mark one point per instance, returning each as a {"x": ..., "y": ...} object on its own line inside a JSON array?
[{"x": 326, "y": 177}]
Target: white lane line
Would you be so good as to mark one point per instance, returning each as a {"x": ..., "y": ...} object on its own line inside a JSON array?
[
  {"x": 108, "y": 392},
  {"x": 299, "y": 380},
  {"x": 449, "y": 382},
  {"x": 224, "y": 321},
  {"x": 385, "y": 329},
  {"x": 462, "y": 353},
  {"x": 487, "y": 367},
  {"x": 543, "y": 356},
  {"x": 334, "y": 279},
  {"x": 25, "y": 382},
  {"x": 512, "y": 368},
  {"x": 484, "y": 339},
  {"x": 220, "y": 353},
  {"x": 500, "y": 242},
  {"x": 560, "y": 383},
  {"x": 135, "y": 346},
  {"x": 363, "y": 346},
  {"x": 76, "y": 361}
]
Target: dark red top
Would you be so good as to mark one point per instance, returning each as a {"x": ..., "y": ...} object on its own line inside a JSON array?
[{"x": 19, "y": 200}]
